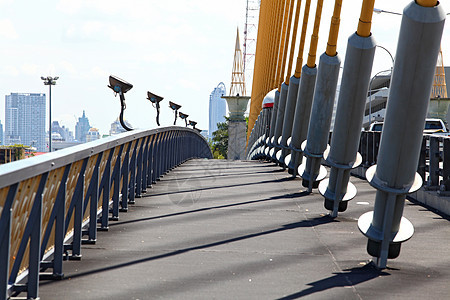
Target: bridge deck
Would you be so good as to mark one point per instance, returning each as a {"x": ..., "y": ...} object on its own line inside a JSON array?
[{"x": 244, "y": 230}]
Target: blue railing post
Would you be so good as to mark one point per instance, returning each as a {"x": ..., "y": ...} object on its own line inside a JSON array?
[
  {"x": 140, "y": 168},
  {"x": 132, "y": 183},
  {"x": 105, "y": 187},
  {"x": 125, "y": 171},
  {"x": 5, "y": 238},
  {"x": 116, "y": 180},
  {"x": 56, "y": 219},
  {"x": 77, "y": 201}
]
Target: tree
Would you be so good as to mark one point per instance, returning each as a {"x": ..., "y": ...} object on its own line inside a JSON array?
[{"x": 219, "y": 143}]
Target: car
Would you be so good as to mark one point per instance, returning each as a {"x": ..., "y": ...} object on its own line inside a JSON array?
[
  {"x": 434, "y": 126},
  {"x": 376, "y": 126},
  {"x": 431, "y": 126}
]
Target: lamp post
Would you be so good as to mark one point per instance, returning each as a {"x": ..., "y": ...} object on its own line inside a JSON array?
[
  {"x": 175, "y": 107},
  {"x": 370, "y": 91},
  {"x": 155, "y": 99},
  {"x": 184, "y": 117},
  {"x": 379, "y": 11},
  {"x": 49, "y": 81},
  {"x": 192, "y": 123},
  {"x": 120, "y": 86}
]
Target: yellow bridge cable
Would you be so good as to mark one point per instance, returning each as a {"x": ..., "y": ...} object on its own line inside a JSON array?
[
  {"x": 365, "y": 20},
  {"x": 298, "y": 67},
  {"x": 334, "y": 29},
  {"x": 427, "y": 3},
  {"x": 293, "y": 40},
  {"x": 283, "y": 44},
  {"x": 286, "y": 42},
  {"x": 311, "y": 62},
  {"x": 259, "y": 71},
  {"x": 266, "y": 56},
  {"x": 261, "y": 49},
  {"x": 276, "y": 43}
]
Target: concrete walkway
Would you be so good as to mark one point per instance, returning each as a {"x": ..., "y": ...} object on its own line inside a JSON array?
[{"x": 215, "y": 229}]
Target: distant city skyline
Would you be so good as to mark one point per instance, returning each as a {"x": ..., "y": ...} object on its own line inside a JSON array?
[{"x": 179, "y": 53}]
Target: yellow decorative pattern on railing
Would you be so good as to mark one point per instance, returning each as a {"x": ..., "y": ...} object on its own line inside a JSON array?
[{"x": 21, "y": 210}]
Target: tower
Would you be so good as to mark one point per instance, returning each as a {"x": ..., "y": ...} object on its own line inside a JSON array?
[
  {"x": 237, "y": 87},
  {"x": 237, "y": 105},
  {"x": 250, "y": 33},
  {"x": 439, "y": 89}
]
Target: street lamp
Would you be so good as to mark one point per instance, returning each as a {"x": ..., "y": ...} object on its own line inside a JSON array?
[
  {"x": 392, "y": 58},
  {"x": 175, "y": 108},
  {"x": 155, "y": 99},
  {"x": 370, "y": 91},
  {"x": 379, "y": 11},
  {"x": 120, "y": 86},
  {"x": 184, "y": 117},
  {"x": 49, "y": 81},
  {"x": 192, "y": 123}
]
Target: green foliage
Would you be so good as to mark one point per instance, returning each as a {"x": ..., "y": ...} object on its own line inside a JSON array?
[{"x": 219, "y": 142}]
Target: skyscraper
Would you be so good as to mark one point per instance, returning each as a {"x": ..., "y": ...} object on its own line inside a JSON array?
[
  {"x": 63, "y": 131},
  {"x": 2, "y": 142},
  {"x": 81, "y": 128},
  {"x": 117, "y": 128},
  {"x": 25, "y": 120},
  {"x": 217, "y": 108}
]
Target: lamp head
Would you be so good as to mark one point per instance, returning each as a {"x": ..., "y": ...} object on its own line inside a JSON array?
[
  {"x": 174, "y": 106},
  {"x": 49, "y": 80},
  {"x": 183, "y": 116},
  {"x": 154, "y": 98},
  {"x": 119, "y": 85}
]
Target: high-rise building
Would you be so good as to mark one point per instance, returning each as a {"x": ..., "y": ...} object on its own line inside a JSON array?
[
  {"x": 117, "y": 128},
  {"x": 217, "y": 108},
  {"x": 2, "y": 142},
  {"x": 82, "y": 128},
  {"x": 92, "y": 135},
  {"x": 63, "y": 131},
  {"x": 25, "y": 120}
]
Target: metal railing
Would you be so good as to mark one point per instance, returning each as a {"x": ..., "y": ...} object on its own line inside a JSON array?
[
  {"x": 51, "y": 204},
  {"x": 433, "y": 166},
  {"x": 434, "y": 160}
]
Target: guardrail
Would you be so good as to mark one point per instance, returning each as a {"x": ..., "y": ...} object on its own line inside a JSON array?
[
  {"x": 433, "y": 166},
  {"x": 51, "y": 204},
  {"x": 434, "y": 161}
]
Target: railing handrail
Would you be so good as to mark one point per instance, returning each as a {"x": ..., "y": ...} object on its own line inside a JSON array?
[{"x": 20, "y": 170}]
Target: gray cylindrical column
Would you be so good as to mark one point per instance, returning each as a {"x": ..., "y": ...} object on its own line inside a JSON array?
[
  {"x": 270, "y": 150},
  {"x": 272, "y": 120},
  {"x": 291, "y": 102},
  {"x": 320, "y": 121},
  {"x": 302, "y": 113},
  {"x": 343, "y": 155},
  {"x": 395, "y": 174},
  {"x": 280, "y": 118}
]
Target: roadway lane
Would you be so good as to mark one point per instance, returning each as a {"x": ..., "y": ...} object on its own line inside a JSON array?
[{"x": 214, "y": 229}]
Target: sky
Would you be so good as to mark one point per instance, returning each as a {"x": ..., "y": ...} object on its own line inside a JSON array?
[{"x": 180, "y": 50}]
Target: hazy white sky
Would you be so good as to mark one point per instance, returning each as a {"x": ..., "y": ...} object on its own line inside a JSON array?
[{"x": 178, "y": 49}]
